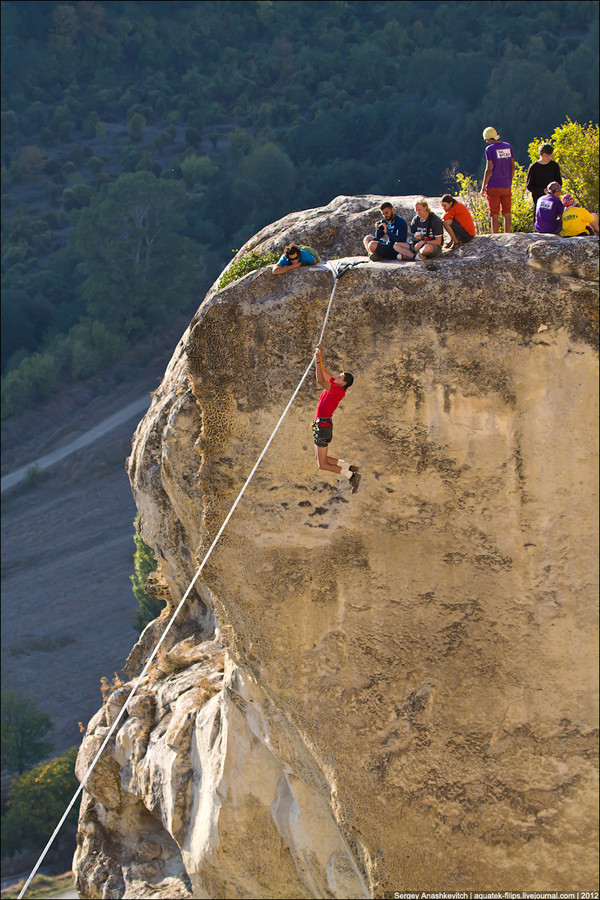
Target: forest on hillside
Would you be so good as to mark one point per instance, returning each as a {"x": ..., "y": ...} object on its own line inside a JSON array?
[{"x": 143, "y": 142}]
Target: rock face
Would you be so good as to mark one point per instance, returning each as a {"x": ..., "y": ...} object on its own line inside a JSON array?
[{"x": 392, "y": 690}]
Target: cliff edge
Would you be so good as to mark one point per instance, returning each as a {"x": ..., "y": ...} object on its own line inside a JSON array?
[{"x": 388, "y": 691}]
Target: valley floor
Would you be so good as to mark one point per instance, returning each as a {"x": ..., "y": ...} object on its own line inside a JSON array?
[{"x": 67, "y": 554}]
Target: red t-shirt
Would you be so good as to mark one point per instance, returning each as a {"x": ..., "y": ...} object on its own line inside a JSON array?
[
  {"x": 329, "y": 400},
  {"x": 461, "y": 213}
]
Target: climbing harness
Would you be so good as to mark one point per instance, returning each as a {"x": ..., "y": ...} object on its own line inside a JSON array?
[{"x": 338, "y": 269}]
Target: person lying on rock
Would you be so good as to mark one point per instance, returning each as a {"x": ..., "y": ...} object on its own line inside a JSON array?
[
  {"x": 294, "y": 257},
  {"x": 334, "y": 393},
  {"x": 389, "y": 240}
]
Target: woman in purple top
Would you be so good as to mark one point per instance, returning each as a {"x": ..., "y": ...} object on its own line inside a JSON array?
[{"x": 549, "y": 210}]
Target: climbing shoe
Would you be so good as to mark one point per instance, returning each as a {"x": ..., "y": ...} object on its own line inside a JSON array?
[
  {"x": 354, "y": 482},
  {"x": 353, "y": 468},
  {"x": 375, "y": 257}
]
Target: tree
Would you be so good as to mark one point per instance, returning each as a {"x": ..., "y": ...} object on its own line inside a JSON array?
[
  {"x": 197, "y": 170},
  {"x": 77, "y": 197},
  {"x": 23, "y": 319},
  {"x": 136, "y": 127},
  {"x": 23, "y": 730},
  {"x": 576, "y": 152},
  {"x": 93, "y": 346},
  {"x": 36, "y": 801},
  {"x": 144, "y": 562},
  {"x": 252, "y": 188},
  {"x": 34, "y": 380},
  {"x": 138, "y": 265},
  {"x": 32, "y": 161}
]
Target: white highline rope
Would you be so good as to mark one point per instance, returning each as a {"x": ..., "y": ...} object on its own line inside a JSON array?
[
  {"x": 335, "y": 281},
  {"x": 174, "y": 616}
]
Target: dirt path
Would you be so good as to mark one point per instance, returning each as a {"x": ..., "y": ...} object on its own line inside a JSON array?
[{"x": 49, "y": 459}]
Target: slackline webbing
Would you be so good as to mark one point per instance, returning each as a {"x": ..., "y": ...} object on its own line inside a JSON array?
[{"x": 337, "y": 275}]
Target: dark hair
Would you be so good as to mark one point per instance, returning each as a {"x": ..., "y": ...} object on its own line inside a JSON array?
[
  {"x": 386, "y": 205},
  {"x": 349, "y": 379},
  {"x": 291, "y": 248},
  {"x": 447, "y": 199},
  {"x": 546, "y": 148}
]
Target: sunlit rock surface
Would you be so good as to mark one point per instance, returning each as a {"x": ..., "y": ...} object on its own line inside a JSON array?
[{"x": 386, "y": 691}]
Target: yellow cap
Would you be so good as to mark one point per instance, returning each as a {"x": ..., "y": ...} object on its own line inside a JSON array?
[{"x": 490, "y": 134}]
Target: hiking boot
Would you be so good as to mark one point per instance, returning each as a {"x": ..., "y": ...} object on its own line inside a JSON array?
[
  {"x": 354, "y": 482},
  {"x": 353, "y": 468},
  {"x": 375, "y": 257}
]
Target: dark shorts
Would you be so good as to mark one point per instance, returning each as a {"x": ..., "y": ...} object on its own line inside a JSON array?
[
  {"x": 434, "y": 250},
  {"x": 459, "y": 232},
  {"x": 386, "y": 250},
  {"x": 322, "y": 432}
]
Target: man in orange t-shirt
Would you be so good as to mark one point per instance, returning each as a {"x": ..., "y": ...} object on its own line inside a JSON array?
[{"x": 457, "y": 221}]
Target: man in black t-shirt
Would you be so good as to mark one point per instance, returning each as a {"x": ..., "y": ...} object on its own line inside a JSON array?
[
  {"x": 542, "y": 173},
  {"x": 427, "y": 232}
]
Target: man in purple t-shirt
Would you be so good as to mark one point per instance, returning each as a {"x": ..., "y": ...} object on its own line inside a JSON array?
[
  {"x": 549, "y": 210},
  {"x": 334, "y": 393},
  {"x": 497, "y": 180}
]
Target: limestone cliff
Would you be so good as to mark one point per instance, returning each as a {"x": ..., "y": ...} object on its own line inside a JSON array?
[{"x": 391, "y": 690}]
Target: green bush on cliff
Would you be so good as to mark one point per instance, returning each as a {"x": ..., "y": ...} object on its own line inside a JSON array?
[
  {"x": 253, "y": 259},
  {"x": 144, "y": 562}
]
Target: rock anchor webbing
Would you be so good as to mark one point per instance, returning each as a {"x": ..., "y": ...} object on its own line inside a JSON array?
[{"x": 337, "y": 272}]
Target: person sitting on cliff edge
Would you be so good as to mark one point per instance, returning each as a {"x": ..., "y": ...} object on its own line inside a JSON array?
[
  {"x": 549, "y": 210},
  {"x": 331, "y": 397},
  {"x": 294, "y": 257},
  {"x": 577, "y": 221},
  {"x": 389, "y": 240},
  {"x": 427, "y": 232},
  {"x": 457, "y": 221}
]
